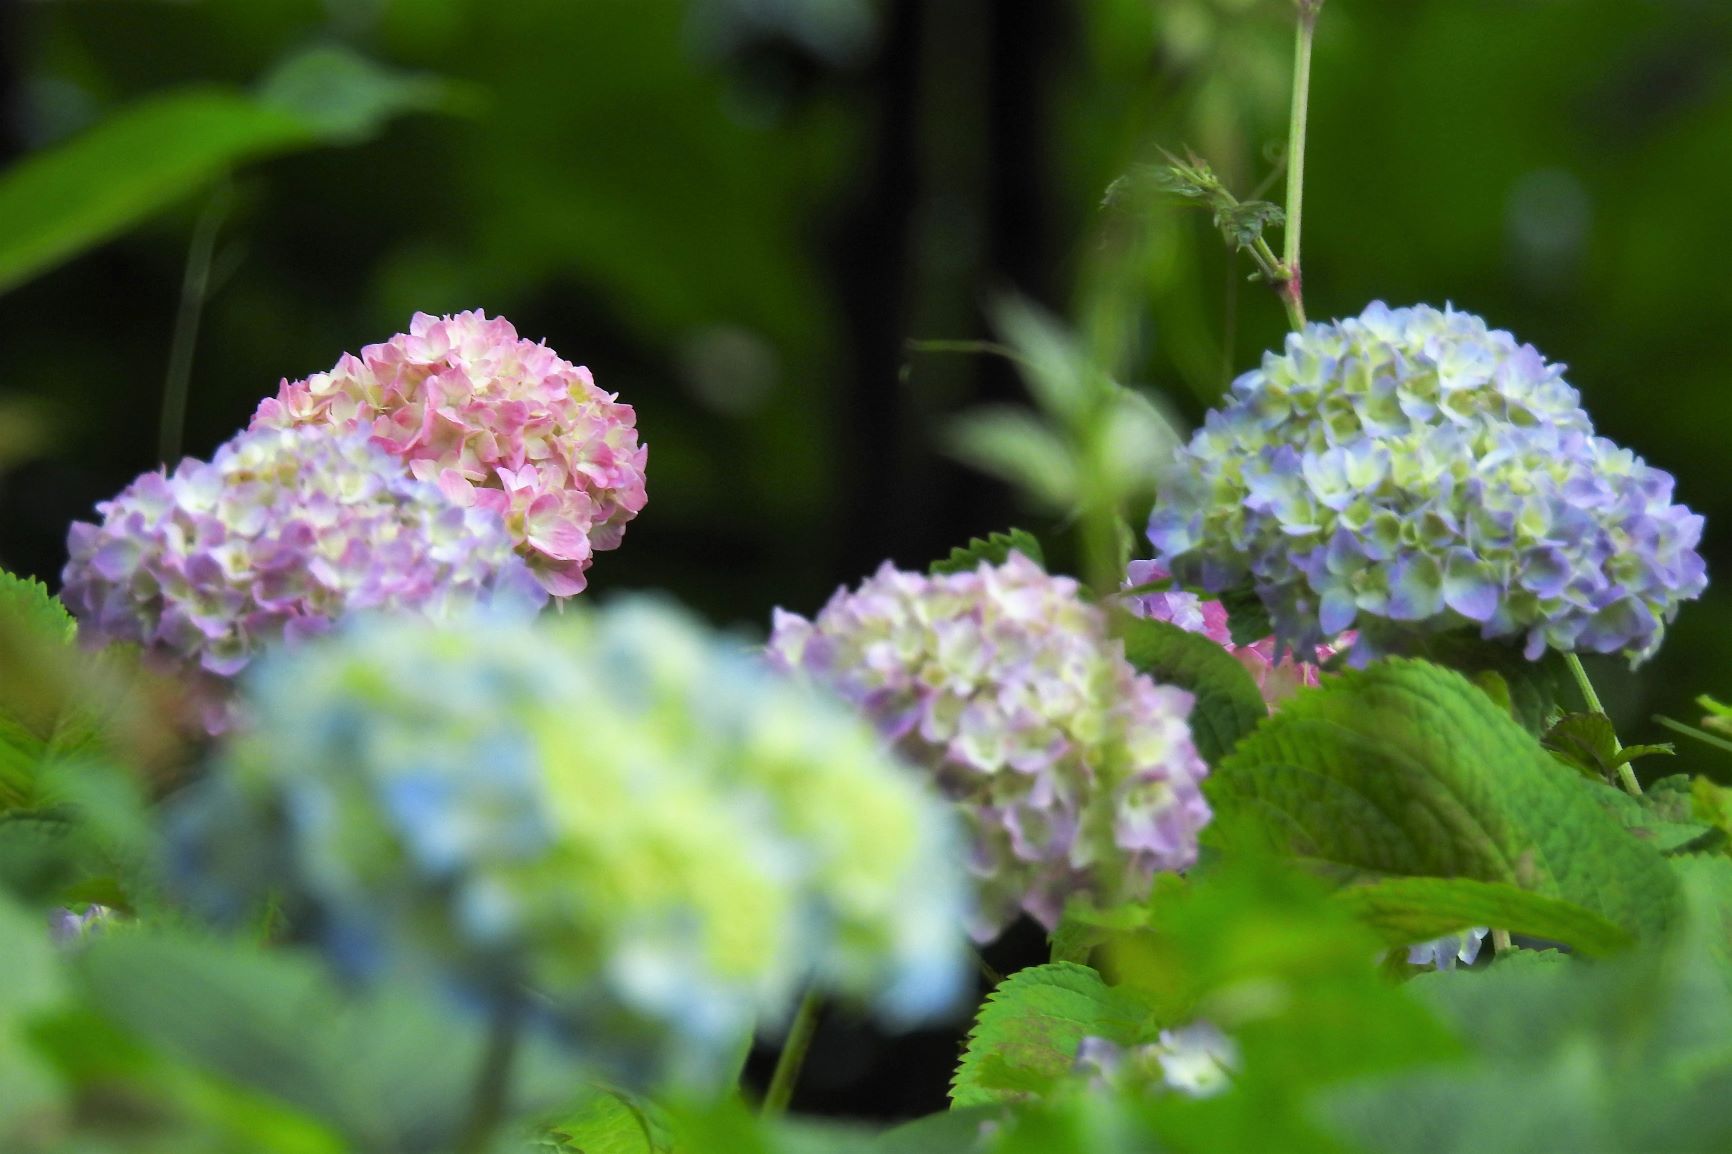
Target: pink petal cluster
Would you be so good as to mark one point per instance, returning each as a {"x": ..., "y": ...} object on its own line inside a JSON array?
[
  {"x": 283, "y": 531},
  {"x": 500, "y": 423},
  {"x": 1276, "y": 679},
  {"x": 1076, "y": 774}
]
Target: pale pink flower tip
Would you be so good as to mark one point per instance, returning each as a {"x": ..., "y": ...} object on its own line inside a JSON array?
[{"x": 497, "y": 422}]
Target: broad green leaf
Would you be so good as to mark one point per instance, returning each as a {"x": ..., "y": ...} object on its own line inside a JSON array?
[
  {"x": 1629, "y": 1053},
  {"x": 1661, "y": 817},
  {"x": 1408, "y": 769},
  {"x": 26, "y": 605},
  {"x": 610, "y": 1122},
  {"x": 1054, "y": 367},
  {"x": 59, "y": 202},
  {"x": 391, "y": 1070},
  {"x": 1534, "y": 687},
  {"x": 956, "y": 1131},
  {"x": 1411, "y": 910},
  {"x": 1013, "y": 444},
  {"x": 1257, "y": 947},
  {"x": 33, "y": 985},
  {"x": 992, "y": 550},
  {"x": 1026, "y": 1034},
  {"x": 1229, "y": 704},
  {"x": 1247, "y": 618}
]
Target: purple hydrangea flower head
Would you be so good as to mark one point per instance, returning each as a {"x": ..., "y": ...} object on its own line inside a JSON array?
[
  {"x": 1076, "y": 774},
  {"x": 282, "y": 532},
  {"x": 618, "y": 810},
  {"x": 1411, "y": 471},
  {"x": 1278, "y": 675}
]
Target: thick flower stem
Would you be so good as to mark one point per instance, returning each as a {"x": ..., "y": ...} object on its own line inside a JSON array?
[
  {"x": 1292, "y": 286},
  {"x": 1626, "y": 775},
  {"x": 793, "y": 1056}
]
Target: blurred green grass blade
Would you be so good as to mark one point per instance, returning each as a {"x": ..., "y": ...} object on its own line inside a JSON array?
[{"x": 58, "y": 203}]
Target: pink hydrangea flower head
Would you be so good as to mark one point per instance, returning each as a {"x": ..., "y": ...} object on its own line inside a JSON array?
[
  {"x": 1277, "y": 678},
  {"x": 1076, "y": 774},
  {"x": 281, "y": 533},
  {"x": 499, "y": 423}
]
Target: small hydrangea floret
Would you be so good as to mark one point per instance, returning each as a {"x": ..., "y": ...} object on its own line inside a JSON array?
[
  {"x": 641, "y": 823},
  {"x": 1076, "y": 774},
  {"x": 281, "y": 533},
  {"x": 499, "y": 423},
  {"x": 1443, "y": 953},
  {"x": 1411, "y": 471},
  {"x": 1197, "y": 1061}
]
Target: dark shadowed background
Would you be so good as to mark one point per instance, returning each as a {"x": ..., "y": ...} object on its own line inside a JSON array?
[{"x": 738, "y": 212}]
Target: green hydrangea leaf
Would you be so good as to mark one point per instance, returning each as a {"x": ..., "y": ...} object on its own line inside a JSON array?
[
  {"x": 1406, "y": 768},
  {"x": 1661, "y": 817},
  {"x": 1411, "y": 910},
  {"x": 1026, "y": 1034},
  {"x": 391, "y": 1070},
  {"x": 1533, "y": 688},
  {"x": 1247, "y": 617},
  {"x": 992, "y": 550},
  {"x": 1630, "y": 1053},
  {"x": 612, "y": 1122},
  {"x": 1229, "y": 705},
  {"x": 26, "y": 604}
]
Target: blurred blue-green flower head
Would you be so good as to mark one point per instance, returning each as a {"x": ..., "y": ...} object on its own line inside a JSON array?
[
  {"x": 1411, "y": 471},
  {"x": 616, "y": 810}
]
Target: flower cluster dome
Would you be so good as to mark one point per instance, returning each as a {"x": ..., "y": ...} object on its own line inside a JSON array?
[
  {"x": 1411, "y": 471},
  {"x": 498, "y": 422},
  {"x": 1278, "y": 675},
  {"x": 641, "y": 823},
  {"x": 279, "y": 534},
  {"x": 1076, "y": 774}
]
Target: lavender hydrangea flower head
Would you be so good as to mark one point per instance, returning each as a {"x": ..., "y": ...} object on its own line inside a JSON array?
[
  {"x": 281, "y": 533},
  {"x": 638, "y": 821},
  {"x": 1411, "y": 471},
  {"x": 1076, "y": 774},
  {"x": 1278, "y": 676},
  {"x": 498, "y": 422}
]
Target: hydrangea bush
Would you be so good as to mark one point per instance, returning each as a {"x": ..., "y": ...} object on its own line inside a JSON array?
[
  {"x": 455, "y": 876},
  {"x": 1077, "y": 776},
  {"x": 499, "y": 423},
  {"x": 616, "y": 810}
]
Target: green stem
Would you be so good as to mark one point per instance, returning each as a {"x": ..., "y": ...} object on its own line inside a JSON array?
[
  {"x": 194, "y": 285},
  {"x": 1626, "y": 774},
  {"x": 1293, "y": 288},
  {"x": 793, "y": 1056},
  {"x": 1500, "y": 943},
  {"x": 489, "y": 1101}
]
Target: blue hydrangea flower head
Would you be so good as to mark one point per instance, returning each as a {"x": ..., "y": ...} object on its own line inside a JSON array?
[
  {"x": 632, "y": 818},
  {"x": 1411, "y": 471}
]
